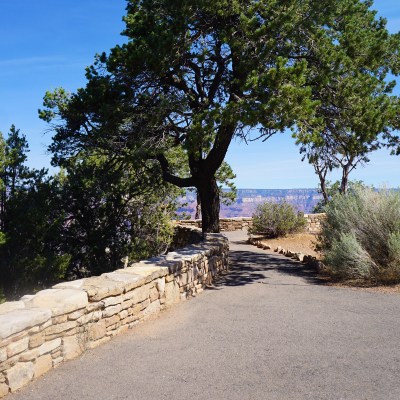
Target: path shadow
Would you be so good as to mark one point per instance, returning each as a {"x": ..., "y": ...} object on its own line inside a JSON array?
[{"x": 248, "y": 267}]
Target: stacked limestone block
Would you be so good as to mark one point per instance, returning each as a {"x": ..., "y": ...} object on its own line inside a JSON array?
[
  {"x": 236, "y": 224},
  {"x": 226, "y": 224},
  {"x": 41, "y": 331},
  {"x": 314, "y": 222}
]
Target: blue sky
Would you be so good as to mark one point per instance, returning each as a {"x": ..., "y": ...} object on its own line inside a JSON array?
[{"x": 46, "y": 44}]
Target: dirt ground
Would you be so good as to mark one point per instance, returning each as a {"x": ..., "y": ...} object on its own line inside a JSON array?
[
  {"x": 297, "y": 243},
  {"x": 306, "y": 243}
]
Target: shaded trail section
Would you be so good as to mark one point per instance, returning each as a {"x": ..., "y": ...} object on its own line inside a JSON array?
[{"x": 269, "y": 329}]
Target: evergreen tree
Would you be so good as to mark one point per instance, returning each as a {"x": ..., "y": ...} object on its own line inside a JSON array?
[{"x": 195, "y": 74}]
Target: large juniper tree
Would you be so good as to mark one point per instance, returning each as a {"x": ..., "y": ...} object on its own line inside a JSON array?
[{"x": 196, "y": 73}]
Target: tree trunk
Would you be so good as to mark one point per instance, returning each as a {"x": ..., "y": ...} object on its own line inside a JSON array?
[
  {"x": 345, "y": 180},
  {"x": 209, "y": 198},
  {"x": 322, "y": 182}
]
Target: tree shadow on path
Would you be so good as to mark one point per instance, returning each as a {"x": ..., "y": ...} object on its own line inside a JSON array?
[{"x": 248, "y": 267}]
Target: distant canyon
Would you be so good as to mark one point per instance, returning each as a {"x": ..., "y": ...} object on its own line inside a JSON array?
[{"x": 303, "y": 200}]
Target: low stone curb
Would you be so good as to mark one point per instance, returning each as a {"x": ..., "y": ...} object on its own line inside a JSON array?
[
  {"x": 307, "y": 259},
  {"x": 43, "y": 330}
]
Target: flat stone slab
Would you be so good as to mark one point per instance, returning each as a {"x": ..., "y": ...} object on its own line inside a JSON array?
[
  {"x": 11, "y": 306},
  {"x": 59, "y": 301},
  {"x": 145, "y": 270},
  {"x": 96, "y": 288},
  {"x": 19, "y": 320},
  {"x": 130, "y": 280}
]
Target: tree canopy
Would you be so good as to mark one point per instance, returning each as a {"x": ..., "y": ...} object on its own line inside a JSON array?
[
  {"x": 193, "y": 74},
  {"x": 94, "y": 216}
]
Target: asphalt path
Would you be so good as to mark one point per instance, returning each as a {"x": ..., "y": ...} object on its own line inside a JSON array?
[{"x": 269, "y": 329}]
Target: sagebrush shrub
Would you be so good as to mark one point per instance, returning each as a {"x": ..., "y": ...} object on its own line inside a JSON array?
[
  {"x": 276, "y": 219},
  {"x": 361, "y": 235}
]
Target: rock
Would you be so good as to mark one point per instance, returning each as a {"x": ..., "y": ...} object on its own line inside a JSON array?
[
  {"x": 153, "y": 308},
  {"x": 112, "y": 301},
  {"x": 17, "y": 347},
  {"x": 148, "y": 269},
  {"x": 92, "y": 345},
  {"x": 4, "y": 389},
  {"x": 72, "y": 347},
  {"x": 160, "y": 285},
  {"x": 26, "y": 297},
  {"x": 30, "y": 355},
  {"x": 130, "y": 280},
  {"x": 154, "y": 295},
  {"x": 97, "y": 331},
  {"x": 59, "y": 328},
  {"x": 266, "y": 247},
  {"x": 60, "y": 301},
  {"x": 36, "y": 340},
  {"x": 109, "y": 311},
  {"x": 42, "y": 365},
  {"x": 300, "y": 257},
  {"x": 91, "y": 317},
  {"x": 49, "y": 346},
  {"x": 96, "y": 287},
  {"x": 19, "y": 375},
  {"x": 3, "y": 354},
  {"x": 75, "y": 315},
  {"x": 57, "y": 361},
  {"x": 11, "y": 306},
  {"x": 278, "y": 249},
  {"x": 172, "y": 295},
  {"x": 59, "y": 320},
  {"x": 320, "y": 266},
  {"x": 22, "y": 319},
  {"x": 112, "y": 320},
  {"x": 139, "y": 294}
]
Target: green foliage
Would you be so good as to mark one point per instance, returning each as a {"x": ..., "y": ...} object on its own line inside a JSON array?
[
  {"x": 113, "y": 212},
  {"x": 227, "y": 188},
  {"x": 196, "y": 74},
  {"x": 348, "y": 258},
  {"x": 333, "y": 188},
  {"x": 93, "y": 217},
  {"x": 276, "y": 219},
  {"x": 360, "y": 237},
  {"x": 31, "y": 222},
  {"x": 356, "y": 110}
]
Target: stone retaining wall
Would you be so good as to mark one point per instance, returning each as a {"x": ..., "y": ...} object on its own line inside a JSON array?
[
  {"x": 41, "y": 331},
  {"x": 243, "y": 223},
  {"x": 226, "y": 224},
  {"x": 314, "y": 222}
]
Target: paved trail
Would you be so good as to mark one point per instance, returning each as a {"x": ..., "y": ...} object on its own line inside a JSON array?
[{"x": 268, "y": 330}]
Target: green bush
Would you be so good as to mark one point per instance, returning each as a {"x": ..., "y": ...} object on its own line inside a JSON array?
[
  {"x": 361, "y": 236},
  {"x": 276, "y": 219}
]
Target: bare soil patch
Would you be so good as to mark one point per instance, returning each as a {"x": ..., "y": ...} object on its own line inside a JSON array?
[
  {"x": 297, "y": 243},
  {"x": 305, "y": 243}
]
